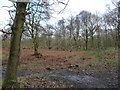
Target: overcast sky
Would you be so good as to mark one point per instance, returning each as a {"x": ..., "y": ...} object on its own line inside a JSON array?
[
  {"x": 94, "y": 6},
  {"x": 73, "y": 8}
]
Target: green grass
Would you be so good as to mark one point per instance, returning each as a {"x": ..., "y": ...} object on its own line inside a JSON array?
[{"x": 97, "y": 55}]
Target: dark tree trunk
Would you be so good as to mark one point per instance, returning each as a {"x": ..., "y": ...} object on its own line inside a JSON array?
[
  {"x": 70, "y": 33},
  {"x": 49, "y": 42},
  {"x": 118, "y": 41},
  {"x": 86, "y": 40},
  {"x": 10, "y": 80},
  {"x": 92, "y": 41},
  {"x": 119, "y": 25},
  {"x": 35, "y": 48},
  {"x": 34, "y": 36},
  {"x": 106, "y": 39},
  {"x": 98, "y": 40},
  {"x": 35, "y": 44}
]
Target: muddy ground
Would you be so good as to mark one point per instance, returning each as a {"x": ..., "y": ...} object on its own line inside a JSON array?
[{"x": 65, "y": 69}]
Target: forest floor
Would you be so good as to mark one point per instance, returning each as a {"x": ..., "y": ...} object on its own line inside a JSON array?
[{"x": 65, "y": 69}]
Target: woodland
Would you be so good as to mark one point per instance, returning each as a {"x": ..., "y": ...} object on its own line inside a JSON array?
[{"x": 80, "y": 51}]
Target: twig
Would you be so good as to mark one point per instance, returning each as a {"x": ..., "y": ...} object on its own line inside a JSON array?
[
  {"x": 5, "y": 32},
  {"x": 10, "y": 15},
  {"x": 64, "y": 4}
]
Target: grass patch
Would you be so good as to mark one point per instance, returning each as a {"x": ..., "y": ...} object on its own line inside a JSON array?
[{"x": 98, "y": 56}]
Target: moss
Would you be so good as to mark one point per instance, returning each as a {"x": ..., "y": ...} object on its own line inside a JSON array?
[{"x": 10, "y": 84}]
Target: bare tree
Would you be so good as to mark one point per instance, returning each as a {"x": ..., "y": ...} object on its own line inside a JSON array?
[
  {"x": 48, "y": 33},
  {"x": 85, "y": 18},
  {"x": 38, "y": 12},
  {"x": 62, "y": 28},
  {"x": 110, "y": 25},
  {"x": 77, "y": 29},
  {"x": 17, "y": 28},
  {"x": 94, "y": 19},
  {"x": 70, "y": 26}
]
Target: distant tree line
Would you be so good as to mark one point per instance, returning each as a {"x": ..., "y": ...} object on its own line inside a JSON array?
[{"x": 85, "y": 31}]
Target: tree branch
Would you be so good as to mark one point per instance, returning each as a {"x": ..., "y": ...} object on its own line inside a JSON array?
[
  {"x": 64, "y": 4},
  {"x": 5, "y": 32}
]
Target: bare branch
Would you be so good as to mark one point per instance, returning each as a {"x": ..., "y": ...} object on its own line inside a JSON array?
[
  {"x": 64, "y": 7},
  {"x": 114, "y": 3},
  {"x": 28, "y": 35},
  {"x": 7, "y": 6},
  {"x": 10, "y": 15},
  {"x": 62, "y": 2},
  {"x": 5, "y": 32}
]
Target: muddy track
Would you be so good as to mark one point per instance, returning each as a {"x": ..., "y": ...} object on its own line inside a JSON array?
[
  {"x": 78, "y": 80},
  {"x": 83, "y": 81}
]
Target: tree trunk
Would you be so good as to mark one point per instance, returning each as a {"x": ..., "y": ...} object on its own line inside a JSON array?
[
  {"x": 106, "y": 39},
  {"x": 35, "y": 44},
  {"x": 35, "y": 47},
  {"x": 118, "y": 41},
  {"x": 10, "y": 80},
  {"x": 34, "y": 36},
  {"x": 92, "y": 41},
  {"x": 119, "y": 25},
  {"x": 98, "y": 39},
  {"x": 86, "y": 40},
  {"x": 70, "y": 36},
  {"x": 49, "y": 42}
]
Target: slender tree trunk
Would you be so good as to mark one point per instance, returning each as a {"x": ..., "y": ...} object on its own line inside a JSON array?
[
  {"x": 35, "y": 42},
  {"x": 34, "y": 36},
  {"x": 10, "y": 80},
  {"x": 106, "y": 39},
  {"x": 49, "y": 42},
  {"x": 98, "y": 40},
  {"x": 35, "y": 45},
  {"x": 92, "y": 41},
  {"x": 86, "y": 41},
  {"x": 118, "y": 25},
  {"x": 118, "y": 41},
  {"x": 70, "y": 36}
]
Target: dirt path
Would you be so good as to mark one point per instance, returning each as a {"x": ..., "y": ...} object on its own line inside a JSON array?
[
  {"x": 77, "y": 80},
  {"x": 83, "y": 81}
]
